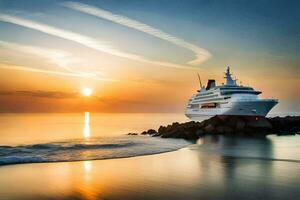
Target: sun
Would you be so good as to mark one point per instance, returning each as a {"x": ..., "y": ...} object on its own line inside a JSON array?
[{"x": 86, "y": 92}]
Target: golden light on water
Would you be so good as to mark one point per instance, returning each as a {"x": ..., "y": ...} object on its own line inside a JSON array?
[
  {"x": 86, "y": 128},
  {"x": 87, "y": 92},
  {"x": 87, "y": 165}
]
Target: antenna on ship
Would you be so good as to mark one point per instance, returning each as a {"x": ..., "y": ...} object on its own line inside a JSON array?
[
  {"x": 229, "y": 80},
  {"x": 200, "y": 81}
]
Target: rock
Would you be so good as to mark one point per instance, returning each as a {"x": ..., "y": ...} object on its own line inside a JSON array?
[
  {"x": 209, "y": 128},
  {"x": 261, "y": 123},
  {"x": 149, "y": 132},
  {"x": 162, "y": 130},
  {"x": 156, "y": 135},
  {"x": 200, "y": 133},
  {"x": 285, "y": 125},
  {"x": 229, "y": 125},
  {"x": 191, "y": 135},
  {"x": 220, "y": 130},
  {"x": 144, "y": 133},
  {"x": 132, "y": 133},
  {"x": 232, "y": 121},
  {"x": 240, "y": 124},
  {"x": 295, "y": 130},
  {"x": 228, "y": 130}
]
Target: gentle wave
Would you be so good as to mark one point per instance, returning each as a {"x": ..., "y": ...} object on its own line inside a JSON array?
[
  {"x": 57, "y": 147},
  {"x": 96, "y": 148}
]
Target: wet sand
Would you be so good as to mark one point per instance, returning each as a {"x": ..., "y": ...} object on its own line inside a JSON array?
[{"x": 190, "y": 173}]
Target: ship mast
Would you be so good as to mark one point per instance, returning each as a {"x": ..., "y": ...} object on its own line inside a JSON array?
[
  {"x": 200, "y": 81},
  {"x": 229, "y": 80}
]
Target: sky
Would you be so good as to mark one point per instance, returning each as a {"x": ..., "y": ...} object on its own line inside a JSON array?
[{"x": 143, "y": 56}]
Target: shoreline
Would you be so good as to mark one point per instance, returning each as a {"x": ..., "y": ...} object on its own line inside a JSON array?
[
  {"x": 109, "y": 158},
  {"x": 74, "y": 161}
]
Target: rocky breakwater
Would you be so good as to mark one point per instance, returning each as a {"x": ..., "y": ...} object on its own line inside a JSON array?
[{"x": 229, "y": 125}]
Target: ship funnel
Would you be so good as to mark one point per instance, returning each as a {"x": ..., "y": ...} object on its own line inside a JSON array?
[{"x": 210, "y": 84}]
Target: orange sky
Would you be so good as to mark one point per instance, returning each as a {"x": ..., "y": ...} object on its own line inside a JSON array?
[
  {"x": 135, "y": 60},
  {"x": 34, "y": 92}
]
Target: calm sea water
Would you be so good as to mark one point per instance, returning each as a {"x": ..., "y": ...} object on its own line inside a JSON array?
[
  {"x": 20, "y": 129},
  {"x": 214, "y": 167}
]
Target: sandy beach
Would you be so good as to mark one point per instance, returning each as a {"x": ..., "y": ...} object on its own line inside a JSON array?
[{"x": 194, "y": 172}]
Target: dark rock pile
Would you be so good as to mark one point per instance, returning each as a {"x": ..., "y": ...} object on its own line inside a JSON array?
[
  {"x": 229, "y": 125},
  {"x": 285, "y": 125}
]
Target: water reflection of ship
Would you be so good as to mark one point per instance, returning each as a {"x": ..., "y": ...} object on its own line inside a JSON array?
[
  {"x": 250, "y": 158},
  {"x": 233, "y": 161}
]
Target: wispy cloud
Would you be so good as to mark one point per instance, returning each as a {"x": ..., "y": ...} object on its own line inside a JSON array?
[
  {"x": 200, "y": 53},
  {"x": 118, "y": 100},
  {"x": 50, "y": 72},
  {"x": 68, "y": 95},
  {"x": 83, "y": 40},
  {"x": 58, "y": 57},
  {"x": 43, "y": 94},
  {"x": 30, "y": 69}
]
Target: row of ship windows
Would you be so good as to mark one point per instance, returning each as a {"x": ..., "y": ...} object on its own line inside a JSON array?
[
  {"x": 204, "y": 94},
  {"x": 240, "y": 92},
  {"x": 223, "y": 98},
  {"x": 231, "y": 90},
  {"x": 205, "y": 105},
  {"x": 215, "y": 95}
]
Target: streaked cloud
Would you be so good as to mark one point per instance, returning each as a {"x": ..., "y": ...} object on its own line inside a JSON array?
[
  {"x": 69, "y": 95},
  {"x": 43, "y": 94},
  {"x": 58, "y": 57},
  {"x": 118, "y": 100},
  {"x": 50, "y": 72},
  {"x": 84, "y": 40},
  {"x": 200, "y": 53}
]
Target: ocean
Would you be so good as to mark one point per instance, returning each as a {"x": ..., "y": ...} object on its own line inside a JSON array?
[
  {"x": 33, "y": 138},
  {"x": 90, "y": 156}
]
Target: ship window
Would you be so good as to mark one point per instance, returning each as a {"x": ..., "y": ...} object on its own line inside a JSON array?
[
  {"x": 210, "y": 105},
  {"x": 194, "y": 106}
]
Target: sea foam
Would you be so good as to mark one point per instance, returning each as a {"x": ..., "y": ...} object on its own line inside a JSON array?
[{"x": 91, "y": 149}]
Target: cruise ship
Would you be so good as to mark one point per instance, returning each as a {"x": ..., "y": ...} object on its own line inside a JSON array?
[{"x": 227, "y": 99}]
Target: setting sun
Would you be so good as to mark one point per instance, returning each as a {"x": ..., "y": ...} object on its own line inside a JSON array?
[{"x": 86, "y": 92}]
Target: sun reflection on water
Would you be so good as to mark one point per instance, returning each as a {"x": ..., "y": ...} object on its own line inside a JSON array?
[
  {"x": 86, "y": 128},
  {"x": 87, "y": 166}
]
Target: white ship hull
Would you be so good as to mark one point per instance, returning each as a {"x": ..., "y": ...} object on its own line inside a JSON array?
[{"x": 257, "y": 107}]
